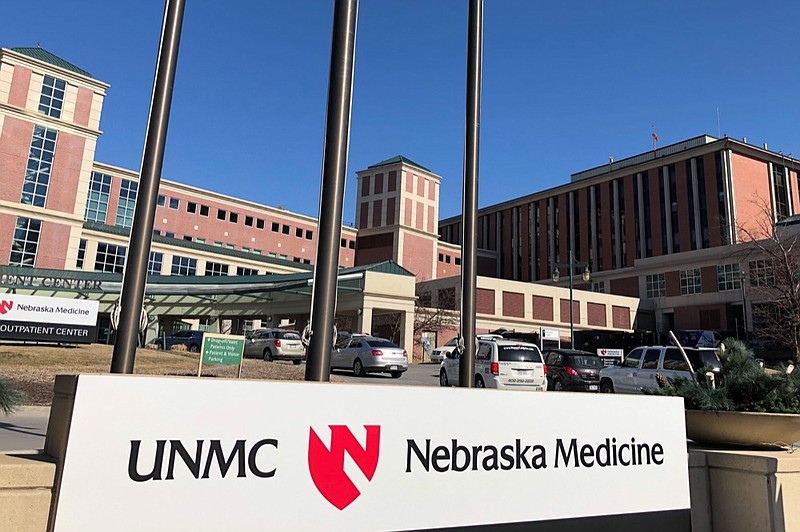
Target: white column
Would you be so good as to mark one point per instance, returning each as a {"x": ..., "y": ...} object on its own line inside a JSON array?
[
  {"x": 407, "y": 338},
  {"x": 365, "y": 320}
]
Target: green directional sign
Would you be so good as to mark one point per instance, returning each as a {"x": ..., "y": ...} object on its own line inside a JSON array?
[{"x": 222, "y": 349}]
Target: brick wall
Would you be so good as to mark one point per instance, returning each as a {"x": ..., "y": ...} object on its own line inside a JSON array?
[
  {"x": 596, "y": 314},
  {"x": 484, "y": 301},
  {"x": 543, "y": 308},
  {"x": 513, "y": 304}
]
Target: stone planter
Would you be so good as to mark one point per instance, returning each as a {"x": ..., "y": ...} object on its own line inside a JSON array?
[{"x": 743, "y": 429}]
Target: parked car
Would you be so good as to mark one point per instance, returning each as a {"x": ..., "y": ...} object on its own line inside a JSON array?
[
  {"x": 640, "y": 367},
  {"x": 440, "y": 353},
  {"x": 193, "y": 340},
  {"x": 275, "y": 344},
  {"x": 500, "y": 363},
  {"x": 369, "y": 354},
  {"x": 572, "y": 369}
]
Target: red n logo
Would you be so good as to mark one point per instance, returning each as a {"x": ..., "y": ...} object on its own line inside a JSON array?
[
  {"x": 327, "y": 465},
  {"x": 5, "y": 306}
]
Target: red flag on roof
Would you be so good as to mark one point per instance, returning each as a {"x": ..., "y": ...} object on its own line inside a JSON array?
[{"x": 655, "y": 137}]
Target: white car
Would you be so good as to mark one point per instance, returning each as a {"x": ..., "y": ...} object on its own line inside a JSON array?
[
  {"x": 505, "y": 364},
  {"x": 440, "y": 353}
]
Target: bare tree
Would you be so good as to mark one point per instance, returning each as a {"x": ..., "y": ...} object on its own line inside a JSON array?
[
  {"x": 774, "y": 254},
  {"x": 431, "y": 314}
]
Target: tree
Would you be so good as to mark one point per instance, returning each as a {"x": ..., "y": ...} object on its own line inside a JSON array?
[
  {"x": 773, "y": 251},
  {"x": 431, "y": 314}
]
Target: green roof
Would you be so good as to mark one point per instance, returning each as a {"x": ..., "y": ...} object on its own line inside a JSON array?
[
  {"x": 43, "y": 55},
  {"x": 399, "y": 159}
]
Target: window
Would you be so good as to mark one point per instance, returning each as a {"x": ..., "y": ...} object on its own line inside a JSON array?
[
  {"x": 458, "y": 261},
  {"x": 241, "y": 270},
  {"x": 256, "y": 252},
  {"x": 447, "y": 259},
  {"x": 154, "y": 263},
  {"x": 673, "y": 359},
  {"x": 351, "y": 244},
  {"x": 245, "y": 250},
  {"x": 204, "y": 210},
  {"x": 282, "y": 256},
  {"x": 761, "y": 273},
  {"x": 651, "y": 357},
  {"x": 343, "y": 243},
  {"x": 441, "y": 257},
  {"x": 218, "y": 244},
  {"x": 97, "y": 201},
  {"x": 248, "y": 221},
  {"x": 234, "y": 218},
  {"x": 272, "y": 254},
  {"x": 633, "y": 358},
  {"x": 110, "y": 258},
  {"x": 127, "y": 203},
  {"x": 169, "y": 234},
  {"x": 285, "y": 229},
  {"x": 781, "y": 194},
  {"x": 81, "y": 254},
  {"x": 728, "y": 277},
  {"x": 296, "y": 259},
  {"x": 306, "y": 261},
  {"x": 187, "y": 238},
  {"x": 230, "y": 246},
  {"x": 52, "y": 99},
  {"x": 174, "y": 203},
  {"x": 200, "y": 240},
  {"x": 656, "y": 285},
  {"x": 298, "y": 232},
  {"x": 40, "y": 162},
  {"x": 191, "y": 207},
  {"x": 598, "y": 287},
  {"x": 222, "y": 214},
  {"x": 259, "y": 223},
  {"x": 184, "y": 266},
  {"x": 215, "y": 268},
  {"x": 691, "y": 282},
  {"x": 25, "y": 243},
  {"x": 162, "y": 200},
  {"x": 275, "y": 227}
]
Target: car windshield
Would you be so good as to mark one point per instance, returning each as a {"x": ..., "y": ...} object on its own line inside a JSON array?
[
  {"x": 518, "y": 353},
  {"x": 288, "y": 335},
  {"x": 591, "y": 361},
  {"x": 381, "y": 343}
]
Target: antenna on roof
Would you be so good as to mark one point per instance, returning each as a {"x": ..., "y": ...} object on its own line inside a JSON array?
[{"x": 38, "y": 44}]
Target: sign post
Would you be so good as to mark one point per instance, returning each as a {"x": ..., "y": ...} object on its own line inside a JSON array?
[{"x": 221, "y": 349}]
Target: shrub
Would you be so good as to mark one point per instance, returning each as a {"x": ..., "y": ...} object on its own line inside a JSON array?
[
  {"x": 179, "y": 347},
  {"x": 744, "y": 386},
  {"x": 10, "y": 397}
]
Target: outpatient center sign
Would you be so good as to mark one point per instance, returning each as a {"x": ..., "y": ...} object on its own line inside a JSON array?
[
  {"x": 157, "y": 453},
  {"x": 48, "y": 319}
]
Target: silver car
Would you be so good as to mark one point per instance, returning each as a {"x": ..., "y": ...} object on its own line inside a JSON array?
[
  {"x": 275, "y": 344},
  {"x": 369, "y": 354}
]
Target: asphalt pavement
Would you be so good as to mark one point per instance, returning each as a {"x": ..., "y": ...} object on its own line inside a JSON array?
[{"x": 24, "y": 430}]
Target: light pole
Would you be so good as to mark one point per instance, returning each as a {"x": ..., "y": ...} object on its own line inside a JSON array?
[{"x": 586, "y": 276}]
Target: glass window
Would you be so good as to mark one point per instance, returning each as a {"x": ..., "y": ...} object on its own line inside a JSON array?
[
  {"x": 351, "y": 244},
  {"x": 256, "y": 252},
  {"x": 241, "y": 270},
  {"x": 97, "y": 201},
  {"x": 259, "y": 223},
  {"x": 169, "y": 234},
  {"x": 343, "y": 243},
  {"x": 183, "y": 265},
  {"x": 762, "y": 273},
  {"x": 728, "y": 277},
  {"x": 215, "y": 268},
  {"x": 127, "y": 203},
  {"x": 248, "y": 221},
  {"x": 40, "y": 163},
  {"x": 200, "y": 240},
  {"x": 188, "y": 238},
  {"x": 81, "y": 254},
  {"x": 234, "y": 218},
  {"x": 673, "y": 359},
  {"x": 109, "y": 258},
  {"x": 285, "y": 229},
  {"x": 656, "y": 285},
  {"x": 518, "y": 353},
  {"x": 222, "y": 214},
  {"x": 633, "y": 358},
  {"x": 174, "y": 203},
  {"x": 298, "y": 232},
  {"x": 651, "y": 359},
  {"x": 25, "y": 242},
  {"x": 230, "y": 246},
  {"x": 154, "y": 263},
  {"x": 276, "y": 227},
  {"x": 162, "y": 200},
  {"x": 691, "y": 282},
  {"x": 52, "y": 99},
  {"x": 191, "y": 207},
  {"x": 781, "y": 193},
  {"x": 204, "y": 210},
  {"x": 309, "y": 234}
]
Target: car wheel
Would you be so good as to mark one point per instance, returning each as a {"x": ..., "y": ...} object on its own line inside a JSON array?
[
  {"x": 358, "y": 368},
  {"x": 158, "y": 345},
  {"x": 296, "y": 362},
  {"x": 194, "y": 348},
  {"x": 268, "y": 355},
  {"x": 396, "y": 374},
  {"x": 479, "y": 382},
  {"x": 606, "y": 387},
  {"x": 558, "y": 385},
  {"x": 443, "y": 378}
]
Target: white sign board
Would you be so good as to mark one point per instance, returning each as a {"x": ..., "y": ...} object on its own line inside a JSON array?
[
  {"x": 603, "y": 352},
  {"x": 153, "y": 453},
  {"x": 49, "y": 319},
  {"x": 550, "y": 334}
]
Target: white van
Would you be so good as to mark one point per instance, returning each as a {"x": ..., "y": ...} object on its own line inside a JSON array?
[{"x": 506, "y": 364}]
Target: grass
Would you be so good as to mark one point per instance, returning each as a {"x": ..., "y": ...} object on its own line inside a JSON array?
[{"x": 32, "y": 368}]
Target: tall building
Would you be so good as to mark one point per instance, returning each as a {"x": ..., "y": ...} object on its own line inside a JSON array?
[{"x": 663, "y": 226}]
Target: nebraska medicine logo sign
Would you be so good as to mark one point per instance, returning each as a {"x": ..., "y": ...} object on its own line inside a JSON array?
[
  {"x": 52, "y": 319},
  {"x": 322, "y": 457}
]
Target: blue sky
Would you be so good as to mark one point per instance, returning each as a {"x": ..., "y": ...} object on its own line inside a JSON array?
[{"x": 566, "y": 85}]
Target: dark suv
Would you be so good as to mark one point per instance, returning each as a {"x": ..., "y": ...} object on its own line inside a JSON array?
[
  {"x": 193, "y": 340},
  {"x": 571, "y": 369}
]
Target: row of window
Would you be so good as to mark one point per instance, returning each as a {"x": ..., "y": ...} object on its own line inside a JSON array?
[
  {"x": 729, "y": 277},
  {"x": 448, "y": 258}
]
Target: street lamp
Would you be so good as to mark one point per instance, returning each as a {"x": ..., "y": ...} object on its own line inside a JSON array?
[{"x": 586, "y": 276}]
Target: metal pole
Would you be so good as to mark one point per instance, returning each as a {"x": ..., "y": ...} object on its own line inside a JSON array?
[
  {"x": 334, "y": 170},
  {"x": 571, "y": 304},
  {"x": 469, "y": 249},
  {"x": 135, "y": 276}
]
